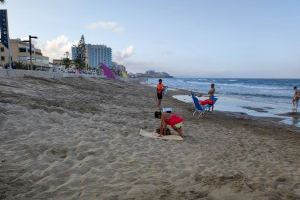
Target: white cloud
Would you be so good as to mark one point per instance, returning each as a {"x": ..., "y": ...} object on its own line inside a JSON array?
[
  {"x": 56, "y": 48},
  {"x": 121, "y": 56},
  {"x": 106, "y": 25}
]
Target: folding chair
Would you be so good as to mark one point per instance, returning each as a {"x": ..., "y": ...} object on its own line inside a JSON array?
[{"x": 198, "y": 108}]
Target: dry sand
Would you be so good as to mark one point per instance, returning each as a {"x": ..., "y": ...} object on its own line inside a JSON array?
[{"x": 78, "y": 139}]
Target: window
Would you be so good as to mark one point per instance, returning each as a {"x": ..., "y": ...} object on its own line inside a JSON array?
[
  {"x": 22, "y": 58},
  {"x": 2, "y": 58},
  {"x": 22, "y": 49},
  {"x": 2, "y": 49}
]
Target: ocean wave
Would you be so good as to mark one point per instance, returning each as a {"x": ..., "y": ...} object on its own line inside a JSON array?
[
  {"x": 258, "y": 87},
  {"x": 239, "y": 87},
  {"x": 198, "y": 83},
  {"x": 257, "y": 95}
]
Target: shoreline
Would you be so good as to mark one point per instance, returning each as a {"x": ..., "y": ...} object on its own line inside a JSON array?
[
  {"x": 269, "y": 121},
  {"x": 235, "y": 114},
  {"x": 77, "y": 138},
  {"x": 262, "y": 112}
]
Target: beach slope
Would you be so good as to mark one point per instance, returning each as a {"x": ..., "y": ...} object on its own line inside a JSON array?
[{"x": 79, "y": 138}]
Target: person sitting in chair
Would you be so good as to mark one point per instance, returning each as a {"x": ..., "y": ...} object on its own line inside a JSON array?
[{"x": 171, "y": 119}]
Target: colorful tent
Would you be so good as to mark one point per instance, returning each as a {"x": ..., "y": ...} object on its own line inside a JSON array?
[{"x": 107, "y": 71}]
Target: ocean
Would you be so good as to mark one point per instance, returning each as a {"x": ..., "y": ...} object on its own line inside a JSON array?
[{"x": 256, "y": 97}]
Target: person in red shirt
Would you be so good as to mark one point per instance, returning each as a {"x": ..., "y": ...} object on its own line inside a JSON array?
[
  {"x": 171, "y": 119},
  {"x": 159, "y": 90}
]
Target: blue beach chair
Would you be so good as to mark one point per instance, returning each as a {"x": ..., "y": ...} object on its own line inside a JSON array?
[{"x": 198, "y": 108}]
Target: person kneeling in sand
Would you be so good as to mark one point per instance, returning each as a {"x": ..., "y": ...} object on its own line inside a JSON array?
[{"x": 171, "y": 119}]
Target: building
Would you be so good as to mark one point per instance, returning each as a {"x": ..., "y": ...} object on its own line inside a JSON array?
[
  {"x": 57, "y": 62},
  {"x": 3, "y": 55},
  {"x": 20, "y": 53},
  {"x": 119, "y": 69},
  {"x": 96, "y": 54},
  {"x": 150, "y": 73}
]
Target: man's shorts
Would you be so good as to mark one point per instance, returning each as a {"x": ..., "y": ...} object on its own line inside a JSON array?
[
  {"x": 159, "y": 95},
  {"x": 179, "y": 125}
]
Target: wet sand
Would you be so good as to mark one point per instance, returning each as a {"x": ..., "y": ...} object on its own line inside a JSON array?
[{"x": 79, "y": 138}]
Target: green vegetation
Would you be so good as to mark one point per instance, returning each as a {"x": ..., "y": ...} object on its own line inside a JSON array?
[
  {"x": 66, "y": 62},
  {"x": 80, "y": 60},
  {"x": 23, "y": 66}
]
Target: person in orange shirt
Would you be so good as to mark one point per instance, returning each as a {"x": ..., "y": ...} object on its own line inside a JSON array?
[{"x": 159, "y": 90}]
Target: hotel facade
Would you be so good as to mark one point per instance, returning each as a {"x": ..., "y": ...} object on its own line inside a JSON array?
[{"x": 96, "y": 54}]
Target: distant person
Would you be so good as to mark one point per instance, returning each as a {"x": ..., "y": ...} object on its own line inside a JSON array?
[
  {"x": 296, "y": 99},
  {"x": 159, "y": 90},
  {"x": 211, "y": 94},
  {"x": 212, "y": 91},
  {"x": 171, "y": 119},
  {"x": 6, "y": 70}
]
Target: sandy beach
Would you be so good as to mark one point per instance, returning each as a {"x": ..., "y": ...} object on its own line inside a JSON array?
[{"x": 78, "y": 138}]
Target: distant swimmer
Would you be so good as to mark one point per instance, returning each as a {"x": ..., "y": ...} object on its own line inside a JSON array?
[
  {"x": 171, "y": 119},
  {"x": 160, "y": 92},
  {"x": 296, "y": 98}
]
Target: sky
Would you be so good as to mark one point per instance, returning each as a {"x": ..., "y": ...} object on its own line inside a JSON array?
[{"x": 192, "y": 38}]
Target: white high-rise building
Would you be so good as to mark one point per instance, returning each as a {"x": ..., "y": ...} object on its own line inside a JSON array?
[{"x": 96, "y": 55}]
